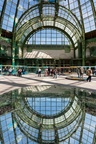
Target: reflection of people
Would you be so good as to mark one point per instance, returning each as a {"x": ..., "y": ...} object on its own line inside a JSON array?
[{"x": 89, "y": 73}]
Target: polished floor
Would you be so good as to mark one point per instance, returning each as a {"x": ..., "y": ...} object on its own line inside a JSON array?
[{"x": 8, "y": 83}]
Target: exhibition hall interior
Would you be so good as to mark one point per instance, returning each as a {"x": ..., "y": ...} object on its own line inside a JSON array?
[{"x": 56, "y": 36}]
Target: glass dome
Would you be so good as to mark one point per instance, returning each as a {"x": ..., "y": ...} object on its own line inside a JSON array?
[{"x": 12, "y": 10}]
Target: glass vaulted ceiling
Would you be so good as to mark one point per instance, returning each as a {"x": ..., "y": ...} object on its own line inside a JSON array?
[
  {"x": 48, "y": 15},
  {"x": 49, "y": 36},
  {"x": 11, "y": 10}
]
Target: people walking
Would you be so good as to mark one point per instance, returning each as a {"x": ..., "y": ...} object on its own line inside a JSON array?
[{"x": 89, "y": 74}]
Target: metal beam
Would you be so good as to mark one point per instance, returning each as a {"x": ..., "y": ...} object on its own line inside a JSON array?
[
  {"x": 2, "y": 15},
  {"x": 83, "y": 34}
]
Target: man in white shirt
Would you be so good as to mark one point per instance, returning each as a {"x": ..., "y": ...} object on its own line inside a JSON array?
[{"x": 39, "y": 72}]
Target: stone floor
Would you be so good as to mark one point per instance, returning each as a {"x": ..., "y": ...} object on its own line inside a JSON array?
[{"x": 8, "y": 83}]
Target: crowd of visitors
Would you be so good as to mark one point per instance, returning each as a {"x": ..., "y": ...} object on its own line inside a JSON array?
[
  {"x": 55, "y": 72},
  {"x": 12, "y": 71},
  {"x": 52, "y": 72},
  {"x": 49, "y": 72},
  {"x": 81, "y": 72}
]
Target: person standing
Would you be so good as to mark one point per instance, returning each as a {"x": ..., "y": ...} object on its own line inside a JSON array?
[
  {"x": 89, "y": 73},
  {"x": 10, "y": 71},
  {"x": 19, "y": 72},
  {"x": 78, "y": 72},
  {"x": 55, "y": 73},
  {"x": 48, "y": 71},
  {"x": 81, "y": 72},
  {"x": 39, "y": 72}
]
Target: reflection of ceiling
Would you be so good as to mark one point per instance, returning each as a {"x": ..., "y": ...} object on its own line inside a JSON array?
[
  {"x": 37, "y": 88},
  {"x": 68, "y": 120},
  {"x": 48, "y": 89}
]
